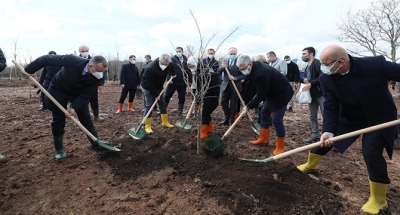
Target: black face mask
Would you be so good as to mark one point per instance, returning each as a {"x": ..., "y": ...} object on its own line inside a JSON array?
[{"x": 305, "y": 58}]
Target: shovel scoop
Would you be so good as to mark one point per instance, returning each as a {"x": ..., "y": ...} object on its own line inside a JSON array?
[{"x": 184, "y": 123}]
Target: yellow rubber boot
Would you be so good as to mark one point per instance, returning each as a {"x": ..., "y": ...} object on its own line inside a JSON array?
[
  {"x": 164, "y": 118},
  {"x": 280, "y": 146},
  {"x": 377, "y": 200},
  {"x": 147, "y": 126},
  {"x": 312, "y": 163},
  {"x": 264, "y": 136}
]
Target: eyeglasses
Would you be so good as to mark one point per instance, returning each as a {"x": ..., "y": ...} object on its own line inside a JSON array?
[
  {"x": 233, "y": 54},
  {"x": 324, "y": 64}
]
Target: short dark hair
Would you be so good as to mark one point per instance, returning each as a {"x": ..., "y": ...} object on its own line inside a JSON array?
[
  {"x": 52, "y": 52},
  {"x": 286, "y": 57},
  {"x": 211, "y": 50},
  {"x": 179, "y": 48},
  {"x": 131, "y": 56},
  {"x": 147, "y": 56},
  {"x": 271, "y": 53},
  {"x": 310, "y": 50}
]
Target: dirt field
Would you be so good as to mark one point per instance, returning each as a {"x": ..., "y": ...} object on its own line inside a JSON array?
[{"x": 162, "y": 173}]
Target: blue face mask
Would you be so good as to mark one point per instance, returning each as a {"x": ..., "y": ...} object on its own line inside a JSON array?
[
  {"x": 246, "y": 72},
  {"x": 327, "y": 70},
  {"x": 233, "y": 57}
]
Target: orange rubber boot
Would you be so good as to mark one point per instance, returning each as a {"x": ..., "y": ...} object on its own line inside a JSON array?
[
  {"x": 130, "y": 106},
  {"x": 120, "y": 105},
  {"x": 210, "y": 127},
  {"x": 264, "y": 136},
  {"x": 280, "y": 146}
]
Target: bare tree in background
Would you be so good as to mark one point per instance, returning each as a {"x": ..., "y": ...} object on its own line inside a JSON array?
[
  {"x": 374, "y": 30},
  {"x": 15, "y": 42}
]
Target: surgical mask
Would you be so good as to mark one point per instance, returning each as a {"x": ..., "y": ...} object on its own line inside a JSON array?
[
  {"x": 232, "y": 57},
  {"x": 179, "y": 54},
  {"x": 327, "y": 70},
  {"x": 98, "y": 75},
  {"x": 268, "y": 61},
  {"x": 288, "y": 61},
  {"x": 133, "y": 61},
  {"x": 163, "y": 67},
  {"x": 85, "y": 54},
  {"x": 246, "y": 71},
  {"x": 193, "y": 70},
  {"x": 210, "y": 56},
  {"x": 305, "y": 58}
]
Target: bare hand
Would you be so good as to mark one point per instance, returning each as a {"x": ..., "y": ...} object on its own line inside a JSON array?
[
  {"x": 325, "y": 140},
  {"x": 71, "y": 113},
  {"x": 306, "y": 88},
  {"x": 231, "y": 78},
  {"x": 223, "y": 65},
  {"x": 122, "y": 86},
  {"x": 138, "y": 86},
  {"x": 99, "y": 88}
]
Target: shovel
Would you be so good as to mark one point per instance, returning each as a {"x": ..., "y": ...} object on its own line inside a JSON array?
[
  {"x": 254, "y": 126},
  {"x": 216, "y": 144},
  {"x": 136, "y": 131},
  {"x": 334, "y": 139},
  {"x": 184, "y": 124},
  {"x": 27, "y": 75}
]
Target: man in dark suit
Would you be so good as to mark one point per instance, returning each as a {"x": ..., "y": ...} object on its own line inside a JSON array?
[
  {"x": 356, "y": 97},
  {"x": 46, "y": 77},
  {"x": 182, "y": 73},
  {"x": 293, "y": 76},
  {"x": 76, "y": 82},
  {"x": 129, "y": 81},
  {"x": 229, "y": 97},
  {"x": 94, "y": 100},
  {"x": 152, "y": 84},
  {"x": 274, "y": 90}
]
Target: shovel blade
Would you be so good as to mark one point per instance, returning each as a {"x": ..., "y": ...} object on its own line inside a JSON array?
[
  {"x": 183, "y": 124},
  {"x": 136, "y": 132},
  {"x": 255, "y": 127},
  {"x": 216, "y": 145},
  {"x": 109, "y": 147},
  {"x": 267, "y": 160}
]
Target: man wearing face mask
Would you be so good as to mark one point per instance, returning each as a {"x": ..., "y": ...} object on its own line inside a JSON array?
[
  {"x": 293, "y": 76},
  {"x": 76, "y": 82},
  {"x": 274, "y": 90},
  {"x": 182, "y": 73},
  {"x": 349, "y": 85},
  {"x": 229, "y": 97},
  {"x": 277, "y": 63},
  {"x": 94, "y": 100},
  {"x": 129, "y": 82},
  {"x": 152, "y": 84},
  {"x": 311, "y": 79}
]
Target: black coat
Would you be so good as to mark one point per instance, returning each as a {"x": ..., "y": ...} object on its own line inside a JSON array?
[
  {"x": 179, "y": 79},
  {"x": 47, "y": 75},
  {"x": 154, "y": 77},
  {"x": 213, "y": 88},
  {"x": 293, "y": 73},
  {"x": 271, "y": 86},
  {"x": 360, "y": 99},
  {"x": 70, "y": 79},
  {"x": 315, "y": 70},
  {"x": 2, "y": 61},
  {"x": 129, "y": 76}
]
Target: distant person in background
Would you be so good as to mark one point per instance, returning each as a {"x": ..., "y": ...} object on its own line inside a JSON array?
[
  {"x": 2, "y": 67},
  {"x": 115, "y": 76},
  {"x": 144, "y": 67},
  {"x": 293, "y": 76},
  {"x": 94, "y": 100},
  {"x": 277, "y": 63},
  {"x": 45, "y": 79},
  {"x": 129, "y": 81}
]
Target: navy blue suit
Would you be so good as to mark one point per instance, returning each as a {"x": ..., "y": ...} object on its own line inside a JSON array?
[
  {"x": 129, "y": 77},
  {"x": 361, "y": 99},
  {"x": 45, "y": 78},
  {"x": 179, "y": 81},
  {"x": 69, "y": 84}
]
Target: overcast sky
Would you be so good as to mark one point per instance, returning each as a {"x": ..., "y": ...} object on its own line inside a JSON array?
[{"x": 147, "y": 26}]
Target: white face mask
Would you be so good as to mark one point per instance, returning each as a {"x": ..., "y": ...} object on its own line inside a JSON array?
[
  {"x": 179, "y": 54},
  {"x": 85, "y": 54},
  {"x": 327, "y": 70},
  {"x": 210, "y": 56},
  {"x": 193, "y": 70},
  {"x": 133, "y": 61},
  {"x": 162, "y": 67},
  {"x": 288, "y": 61},
  {"x": 98, "y": 75}
]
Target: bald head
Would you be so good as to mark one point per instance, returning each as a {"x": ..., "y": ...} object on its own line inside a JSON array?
[{"x": 334, "y": 53}]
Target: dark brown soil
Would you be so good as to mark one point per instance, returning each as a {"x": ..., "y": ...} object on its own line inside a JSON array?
[{"x": 162, "y": 173}]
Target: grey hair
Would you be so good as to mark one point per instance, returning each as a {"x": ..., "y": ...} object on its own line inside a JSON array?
[
  {"x": 243, "y": 60},
  {"x": 98, "y": 59},
  {"x": 82, "y": 47},
  {"x": 165, "y": 58}
]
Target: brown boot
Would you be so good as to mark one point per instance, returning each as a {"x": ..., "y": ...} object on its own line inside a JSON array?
[
  {"x": 130, "y": 106},
  {"x": 120, "y": 105},
  {"x": 280, "y": 146},
  {"x": 210, "y": 128},
  {"x": 264, "y": 136},
  {"x": 203, "y": 132}
]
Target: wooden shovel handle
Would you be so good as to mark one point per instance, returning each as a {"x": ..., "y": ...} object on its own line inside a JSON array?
[
  {"x": 238, "y": 93},
  {"x": 233, "y": 125},
  {"x": 155, "y": 102},
  {"x": 340, "y": 137},
  {"x": 190, "y": 109},
  {"x": 29, "y": 76}
]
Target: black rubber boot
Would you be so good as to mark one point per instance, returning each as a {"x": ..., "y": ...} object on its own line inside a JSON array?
[
  {"x": 58, "y": 145},
  {"x": 96, "y": 115},
  {"x": 180, "y": 110}
]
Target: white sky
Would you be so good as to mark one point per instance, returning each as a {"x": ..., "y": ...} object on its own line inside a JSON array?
[{"x": 147, "y": 26}]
